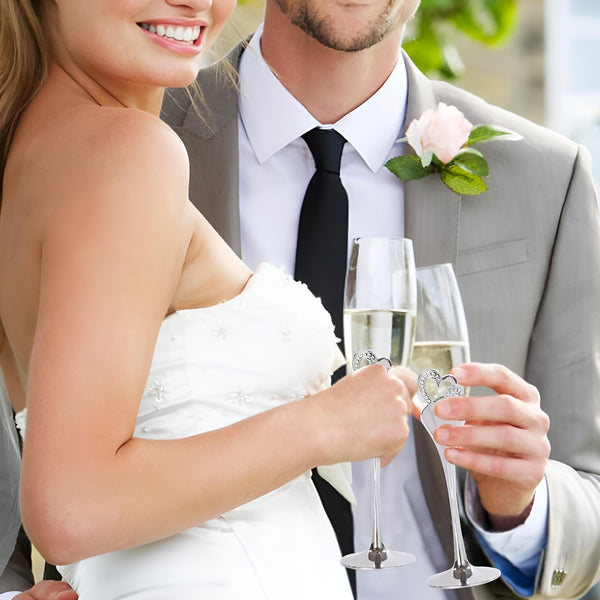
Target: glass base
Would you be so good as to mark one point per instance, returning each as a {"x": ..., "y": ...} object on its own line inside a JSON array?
[
  {"x": 377, "y": 559},
  {"x": 460, "y": 577}
]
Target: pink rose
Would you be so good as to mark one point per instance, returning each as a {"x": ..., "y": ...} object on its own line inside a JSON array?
[{"x": 443, "y": 132}]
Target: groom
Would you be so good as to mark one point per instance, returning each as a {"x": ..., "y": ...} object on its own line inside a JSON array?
[{"x": 527, "y": 256}]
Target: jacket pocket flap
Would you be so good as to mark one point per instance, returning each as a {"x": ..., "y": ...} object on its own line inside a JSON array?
[{"x": 492, "y": 257}]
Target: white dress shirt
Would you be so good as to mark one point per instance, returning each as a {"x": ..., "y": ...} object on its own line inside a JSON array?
[{"x": 273, "y": 157}]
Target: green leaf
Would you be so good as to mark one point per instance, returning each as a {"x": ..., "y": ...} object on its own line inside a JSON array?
[
  {"x": 430, "y": 37},
  {"x": 407, "y": 167},
  {"x": 472, "y": 160},
  {"x": 437, "y": 5},
  {"x": 425, "y": 48},
  {"x": 485, "y": 133},
  {"x": 427, "y": 158},
  {"x": 430, "y": 47},
  {"x": 490, "y": 22},
  {"x": 461, "y": 181}
]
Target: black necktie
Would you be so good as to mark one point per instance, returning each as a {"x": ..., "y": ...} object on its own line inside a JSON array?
[
  {"x": 321, "y": 253},
  {"x": 321, "y": 264}
]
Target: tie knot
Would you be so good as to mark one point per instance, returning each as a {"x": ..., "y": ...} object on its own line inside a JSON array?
[{"x": 326, "y": 147}]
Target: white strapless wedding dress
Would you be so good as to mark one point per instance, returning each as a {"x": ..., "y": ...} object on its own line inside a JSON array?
[{"x": 274, "y": 343}]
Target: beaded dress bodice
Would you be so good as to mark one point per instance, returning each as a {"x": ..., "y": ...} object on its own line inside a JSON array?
[{"x": 273, "y": 343}]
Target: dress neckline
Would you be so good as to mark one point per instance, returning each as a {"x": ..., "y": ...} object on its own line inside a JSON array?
[{"x": 261, "y": 269}]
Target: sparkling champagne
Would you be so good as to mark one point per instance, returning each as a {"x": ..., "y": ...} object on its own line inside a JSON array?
[
  {"x": 388, "y": 333},
  {"x": 441, "y": 356}
]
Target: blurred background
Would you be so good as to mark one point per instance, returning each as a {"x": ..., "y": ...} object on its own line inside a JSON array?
[{"x": 538, "y": 58}]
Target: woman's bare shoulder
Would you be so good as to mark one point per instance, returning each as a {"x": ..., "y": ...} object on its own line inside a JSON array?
[
  {"x": 121, "y": 138},
  {"x": 96, "y": 157},
  {"x": 123, "y": 130}
]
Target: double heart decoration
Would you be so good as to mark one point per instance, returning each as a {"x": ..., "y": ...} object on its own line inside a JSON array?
[{"x": 433, "y": 383}]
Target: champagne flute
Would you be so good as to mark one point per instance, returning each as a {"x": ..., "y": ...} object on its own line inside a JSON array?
[
  {"x": 379, "y": 315},
  {"x": 442, "y": 342},
  {"x": 441, "y": 336}
]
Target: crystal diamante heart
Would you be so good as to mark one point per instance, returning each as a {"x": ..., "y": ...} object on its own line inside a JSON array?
[
  {"x": 433, "y": 383},
  {"x": 368, "y": 357}
]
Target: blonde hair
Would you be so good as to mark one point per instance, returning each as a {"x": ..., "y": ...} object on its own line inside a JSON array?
[{"x": 23, "y": 64}]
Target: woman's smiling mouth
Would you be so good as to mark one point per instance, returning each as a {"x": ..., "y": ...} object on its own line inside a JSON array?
[{"x": 178, "y": 33}]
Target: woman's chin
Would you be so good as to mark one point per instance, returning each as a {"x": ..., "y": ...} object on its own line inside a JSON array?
[{"x": 177, "y": 77}]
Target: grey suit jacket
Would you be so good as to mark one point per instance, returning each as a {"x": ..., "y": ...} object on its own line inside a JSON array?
[
  {"x": 15, "y": 551},
  {"x": 527, "y": 257}
]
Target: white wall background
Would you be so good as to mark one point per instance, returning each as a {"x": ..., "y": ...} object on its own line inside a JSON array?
[{"x": 572, "y": 70}]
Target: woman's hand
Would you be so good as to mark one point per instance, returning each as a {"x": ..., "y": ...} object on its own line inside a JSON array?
[
  {"x": 365, "y": 414},
  {"x": 49, "y": 590}
]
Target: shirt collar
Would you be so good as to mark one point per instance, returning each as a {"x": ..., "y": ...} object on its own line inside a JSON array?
[{"x": 273, "y": 118}]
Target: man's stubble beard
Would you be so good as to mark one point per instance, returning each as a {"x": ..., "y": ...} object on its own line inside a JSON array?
[{"x": 318, "y": 27}]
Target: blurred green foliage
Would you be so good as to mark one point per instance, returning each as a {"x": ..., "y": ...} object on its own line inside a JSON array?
[{"x": 430, "y": 37}]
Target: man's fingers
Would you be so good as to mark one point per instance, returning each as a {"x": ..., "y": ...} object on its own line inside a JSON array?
[
  {"x": 494, "y": 409},
  {"x": 525, "y": 473},
  {"x": 498, "y": 378},
  {"x": 504, "y": 438}
]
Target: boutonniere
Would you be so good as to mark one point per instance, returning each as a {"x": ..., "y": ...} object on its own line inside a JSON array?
[{"x": 442, "y": 140}]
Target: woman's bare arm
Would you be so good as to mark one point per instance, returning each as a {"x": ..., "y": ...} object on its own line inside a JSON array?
[{"x": 112, "y": 254}]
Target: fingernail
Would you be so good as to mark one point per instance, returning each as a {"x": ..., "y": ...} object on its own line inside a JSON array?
[
  {"x": 459, "y": 373},
  {"x": 443, "y": 409},
  {"x": 452, "y": 454},
  {"x": 441, "y": 434}
]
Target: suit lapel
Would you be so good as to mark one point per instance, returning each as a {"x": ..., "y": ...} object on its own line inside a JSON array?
[{"x": 431, "y": 209}]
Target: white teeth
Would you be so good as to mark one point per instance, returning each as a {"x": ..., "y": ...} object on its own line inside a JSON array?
[{"x": 179, "y": 33}]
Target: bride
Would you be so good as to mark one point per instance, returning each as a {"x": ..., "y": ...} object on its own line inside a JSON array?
[{"x": 176, "y": 402}]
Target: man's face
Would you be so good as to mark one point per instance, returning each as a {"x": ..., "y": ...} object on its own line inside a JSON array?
[{"x": 348, "y": 25}]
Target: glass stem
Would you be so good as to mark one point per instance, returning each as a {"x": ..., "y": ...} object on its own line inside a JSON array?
[
  {"x": 376, "y": 541},
  {"x": 377, "y": 551},
  {"x": 462, "y": 567}
]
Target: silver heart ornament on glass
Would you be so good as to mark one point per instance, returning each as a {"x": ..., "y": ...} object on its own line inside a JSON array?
[{"x": 368, "y": 356}]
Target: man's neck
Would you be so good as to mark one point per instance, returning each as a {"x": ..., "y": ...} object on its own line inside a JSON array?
[{"x": 329, "y": 83}]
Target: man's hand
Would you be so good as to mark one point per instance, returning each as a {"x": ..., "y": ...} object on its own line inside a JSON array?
[
  {"x": 503, "y": 442},
  {"x": 49, "y": 590}
]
